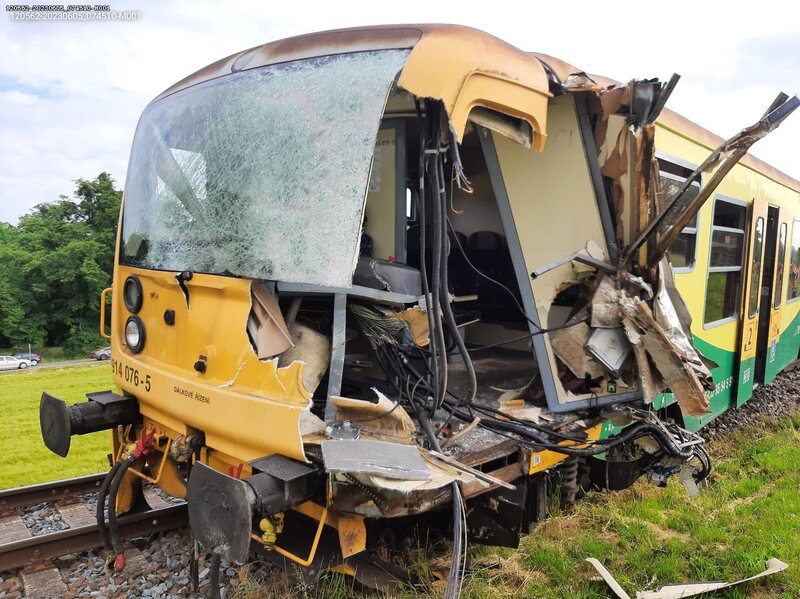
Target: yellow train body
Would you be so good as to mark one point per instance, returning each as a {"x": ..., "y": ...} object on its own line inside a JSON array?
[{"x": 278, "y": 269}]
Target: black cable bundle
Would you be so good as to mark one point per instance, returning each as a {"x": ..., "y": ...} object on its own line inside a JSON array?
[{"x": 433, "y": 193}]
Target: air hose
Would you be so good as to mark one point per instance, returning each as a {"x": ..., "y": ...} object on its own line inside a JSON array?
[
  {"x": 101, "y": 506},
  {"x": 116, "y": 542},
  {"x": 142, "y": 447}
]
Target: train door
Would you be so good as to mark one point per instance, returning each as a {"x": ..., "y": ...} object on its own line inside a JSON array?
[
  {"x": 770, "y": 344},
  {"x": 752, "y": 296}
]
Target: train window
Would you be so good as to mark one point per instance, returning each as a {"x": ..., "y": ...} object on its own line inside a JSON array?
[
  {"x": 755, "y": 267},
  {"x": 792, "y": 291},
  {"x": 683, "y": 249},
  {"x": 779, "y": 268},
  {"x": 725, "y": 261}
]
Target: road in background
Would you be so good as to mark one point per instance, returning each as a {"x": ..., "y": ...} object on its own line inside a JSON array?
[{"x": 55, "y": 365}]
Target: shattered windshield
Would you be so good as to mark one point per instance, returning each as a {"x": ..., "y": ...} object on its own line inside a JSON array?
[{"x": 261, "y": 173}]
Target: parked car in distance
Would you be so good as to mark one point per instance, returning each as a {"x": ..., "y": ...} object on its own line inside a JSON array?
[
  {"x": 33, "y": 359},
  {"x": 12, "y": 363},
  {"x": 101, "y": 354}
]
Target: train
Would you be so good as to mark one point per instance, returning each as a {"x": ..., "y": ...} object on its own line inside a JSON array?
[{"x": 382, "y": 276}]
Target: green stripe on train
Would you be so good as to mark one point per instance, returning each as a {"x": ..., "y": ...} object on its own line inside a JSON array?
[{"x": 731, "y": 381}]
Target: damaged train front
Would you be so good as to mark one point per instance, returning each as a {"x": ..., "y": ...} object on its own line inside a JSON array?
[{"x": 355, "y": 312}]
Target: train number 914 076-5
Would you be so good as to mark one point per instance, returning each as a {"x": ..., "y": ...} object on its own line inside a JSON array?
[{"x": 130, "y": 375}]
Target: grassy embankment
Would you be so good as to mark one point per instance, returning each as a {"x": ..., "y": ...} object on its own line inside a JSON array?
[
  {"x": 24, "y": 459},
  {"x": 645, "y": 536}
]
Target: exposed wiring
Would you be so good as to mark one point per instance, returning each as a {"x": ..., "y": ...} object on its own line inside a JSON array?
[
  {"x": 455, "y": 577},
  {"x": 433, "y": 364}
]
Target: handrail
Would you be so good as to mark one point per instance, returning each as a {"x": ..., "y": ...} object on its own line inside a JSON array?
[{"x": 103, "y": 313}]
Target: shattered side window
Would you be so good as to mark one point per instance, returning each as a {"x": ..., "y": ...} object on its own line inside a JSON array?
[{"x": 261, "y": 173}]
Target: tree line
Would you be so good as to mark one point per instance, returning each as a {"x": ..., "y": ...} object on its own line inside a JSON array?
[{"x": 53, "y": 265}]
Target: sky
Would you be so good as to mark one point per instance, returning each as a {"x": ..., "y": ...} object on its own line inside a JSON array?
[{"x": 71, "y": 93}]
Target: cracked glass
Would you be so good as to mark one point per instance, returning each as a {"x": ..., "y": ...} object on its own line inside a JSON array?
[{"x": 261, "y": 173}]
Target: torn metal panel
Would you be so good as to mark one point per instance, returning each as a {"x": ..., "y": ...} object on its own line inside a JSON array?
[
  {"x": 389, "y": 460},
  {"x": 650, "y": 381},
  {"x": 374, "y": 495},
  {"x": 666, "y": 315},
  {"x": 441, "y": 476},
  {"x": 477, "y": 70},
  {"x": 352, "y": 534},
  {"x": 629, "y": 164},
  {"x": 382, "y": 420},
  {"x": 610, "y": 347},
  {"x": 720, "y": 162},
  {"x": 266, "y": 324},
  {"x": 565, "y": 77},
  {"x": 680, "y": 376},
  {"x": 377, "y": 496},
  {"x": 678, "y": 591},
  {"x": 614, "y": 165},
  {"x": 569, "y": 345}
]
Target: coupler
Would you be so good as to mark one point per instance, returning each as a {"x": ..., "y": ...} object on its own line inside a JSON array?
[
  {"x": 104, "y": 410},
  {"x": 223, "y": 510}
]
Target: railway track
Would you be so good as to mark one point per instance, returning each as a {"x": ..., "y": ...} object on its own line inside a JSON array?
[{"x": 31, "y": 550}]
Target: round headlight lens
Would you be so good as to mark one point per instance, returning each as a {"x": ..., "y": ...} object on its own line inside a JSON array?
[
  {"x": 132, "y": 294},
  {"x": 134, "y": 334}
]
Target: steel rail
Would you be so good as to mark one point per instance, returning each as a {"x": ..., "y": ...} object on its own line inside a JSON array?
[
  {"x": 50, "y": 491},
  {"x": 63, "y": 542}
]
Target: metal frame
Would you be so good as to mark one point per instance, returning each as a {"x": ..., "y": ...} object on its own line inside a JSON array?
[
  {"x": 540, "y": 350},
  {"x": 338, "y": 342},
  {"x": 735, "y": 317},
  {"x": 691, "y": 167},
  {"x": 790, "y": 241},
  {"x": 751, "y": 313},
  {"x": 696, "y": 232},
  {"x": 779, "y": 286},
  {"x": 677, "y": 161},
  {"x": 590, "y": 151},
  {"x": 399, "y": 127}
]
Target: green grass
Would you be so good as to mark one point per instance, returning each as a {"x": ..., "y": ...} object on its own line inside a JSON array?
[
  {"x": 646, "y": 536},
  {"x": 24, "y": 459}
]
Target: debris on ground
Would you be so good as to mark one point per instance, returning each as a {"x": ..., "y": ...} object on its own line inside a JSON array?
[{"x": 678, "y": 591}]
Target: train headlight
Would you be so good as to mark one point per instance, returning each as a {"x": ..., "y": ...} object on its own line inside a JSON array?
[
  {"x": 134, "y": 334},
  {"x": 132, "y": 294}
]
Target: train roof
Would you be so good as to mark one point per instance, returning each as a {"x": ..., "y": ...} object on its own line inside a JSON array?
[
  {"x": 694, "y": 132},
  {"x": 461, "y": 66},
  {"x": 458, "y": 52}
]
